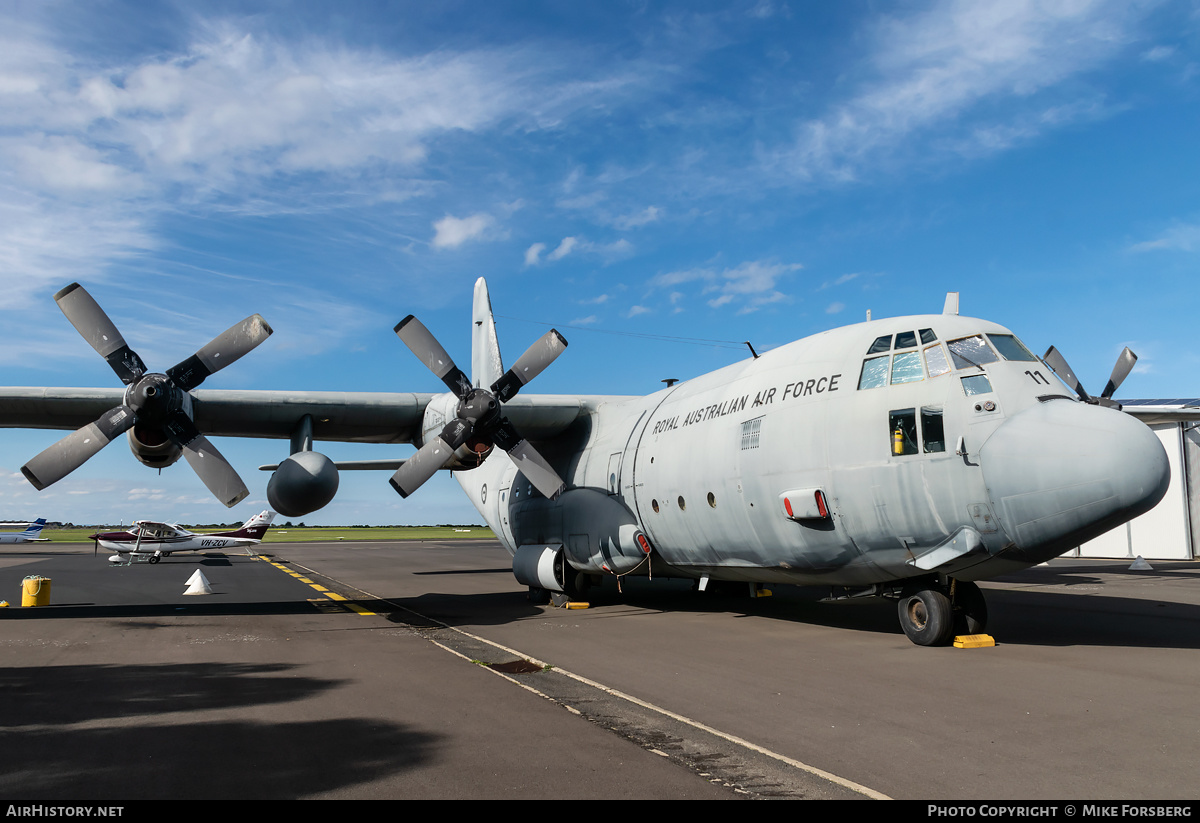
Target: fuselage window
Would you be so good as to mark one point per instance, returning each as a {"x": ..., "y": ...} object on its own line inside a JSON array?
[
  {"x": 902, "y": 426},
  {"x": 906, "y": 340},
  {"x": 874, "y": 373},
  {"x": 971, "y": 351},
  {"x": 1010, "y": 348},
  {"x": 933, "y": 431},
  {"x": 974, "y": 384},
  {"x": 881, "y": 344},
  {"x": 906, "y": 368},
  {"x": 935, "y": 361}
]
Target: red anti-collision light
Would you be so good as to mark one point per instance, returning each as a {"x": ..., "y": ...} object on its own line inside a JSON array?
[{"x": 821, "y": 507}]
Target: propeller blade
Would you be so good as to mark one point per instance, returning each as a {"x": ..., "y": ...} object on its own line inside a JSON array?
[
  {"x": 423, "y": 465},
  {"x": 225, "y": 348},
  {"x": 1058, "y": 364},
  {"x": 527, "y": 459},
  {"x": 68, "y": 454},
  {"x": 215, "y": 472},
  {"x": 99, "y": 331},
  {"x": 1125, "y": 364},
  {"x": 429, "y": 351},
  {"x": 209, "y": 464},
  {"x": 529, "y": 365}
]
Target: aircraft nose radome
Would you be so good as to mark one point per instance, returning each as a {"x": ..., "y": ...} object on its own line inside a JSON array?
[{"x": 1061, "y": 473}]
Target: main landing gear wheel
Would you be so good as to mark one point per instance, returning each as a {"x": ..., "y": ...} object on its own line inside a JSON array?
[
  {"x": 927, "y": 616},
  {"x": 154, "y": 558}
]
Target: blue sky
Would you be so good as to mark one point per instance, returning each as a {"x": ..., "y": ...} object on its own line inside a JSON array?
[{"x": 716, "y": 171}]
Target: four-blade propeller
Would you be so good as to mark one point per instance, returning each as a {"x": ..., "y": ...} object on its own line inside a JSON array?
[
  {"x": 157, "y": 403},
  {"x": 480, "y": 422},
  {"x": 1125, "y": 363}
]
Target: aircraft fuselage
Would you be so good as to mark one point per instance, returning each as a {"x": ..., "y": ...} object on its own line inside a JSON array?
[{"x": 869, "y": 454}]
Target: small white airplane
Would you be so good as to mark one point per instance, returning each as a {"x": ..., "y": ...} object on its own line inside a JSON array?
[
  {"x": 30, "y": 535},
  {"x": 150, "y": 540}
]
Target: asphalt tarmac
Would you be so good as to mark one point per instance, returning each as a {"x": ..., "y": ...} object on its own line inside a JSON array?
[{"x": 407, "y": 669}]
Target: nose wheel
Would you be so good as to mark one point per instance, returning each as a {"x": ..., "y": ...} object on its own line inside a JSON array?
[{"x": 930, "y": 617}]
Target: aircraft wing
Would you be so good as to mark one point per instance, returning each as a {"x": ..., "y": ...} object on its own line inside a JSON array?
[
  {"x": 359, "y": 417},
  {"x": 1163, "y": 411}
]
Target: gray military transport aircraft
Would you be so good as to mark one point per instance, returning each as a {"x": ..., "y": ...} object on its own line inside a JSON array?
[{"x": 905, "y": 457}]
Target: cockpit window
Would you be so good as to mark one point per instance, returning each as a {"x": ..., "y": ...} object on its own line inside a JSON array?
[
  {"x": 927, "y": 336},
  {"x": 971, "y": 351},
  {"x": 874, "y": 373},
  {"x": 1010, "y": 348},
  {"x": 974, "y": 384},
  {"x": 906, "y": 340},
  {"x": 881, "y": 344},
  {"x": 906, "y": 367},
  {"x": 935, "y": 361}
]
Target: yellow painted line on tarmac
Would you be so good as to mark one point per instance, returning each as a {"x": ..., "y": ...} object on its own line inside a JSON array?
[{"x": 341, "y": 604}]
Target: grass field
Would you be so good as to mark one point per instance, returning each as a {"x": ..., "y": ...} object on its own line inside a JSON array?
[{"x": 310, "y": 534}]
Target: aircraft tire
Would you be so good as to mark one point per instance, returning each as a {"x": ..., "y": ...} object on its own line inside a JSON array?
[
  {"x": 154, "y": 558},
  {"x": 970, "y": 609},
  {"x": 927, "y": 617},
  {"x": 538, "y": 596}
]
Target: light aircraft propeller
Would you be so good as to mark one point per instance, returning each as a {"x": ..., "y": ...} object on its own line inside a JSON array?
[
  {"x": 480, "y": 422},
  {"x": 158, "y": 404},
  {"x": 1125, "y": 363}
]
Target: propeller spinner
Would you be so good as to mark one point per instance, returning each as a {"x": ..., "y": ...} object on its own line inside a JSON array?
[
  {"x": 155, "y": 402},
  {"x": 1125, "y": 363},
  {"x": 480, "y": 420}
]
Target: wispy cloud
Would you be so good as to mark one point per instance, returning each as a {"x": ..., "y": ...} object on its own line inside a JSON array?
[
  {"x": 609, "y": 251},
  {"x": 1180, "y": 237},
  {"x": 952, "y": 74},
  {"x": 748, "y": 287},
  {"x": 451, "y": 232}
]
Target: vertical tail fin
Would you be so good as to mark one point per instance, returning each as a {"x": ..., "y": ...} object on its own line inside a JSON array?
[
  {"x": 486, "y": 365},
  {"x": 35, "y": 528},
  {"x": 255, "y": 527}
]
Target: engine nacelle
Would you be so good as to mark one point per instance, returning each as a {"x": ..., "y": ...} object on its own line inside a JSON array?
[
  {"x": 540, "y": 566},
  {"x": 303, "y": 483},
  {"x": 440, "y": 411},
  {"x": 152, "y": 448}
]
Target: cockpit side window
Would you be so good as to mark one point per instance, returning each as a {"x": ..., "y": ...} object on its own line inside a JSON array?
[
  {"x": 968, "y": 352},
  {"x": 927, "y": 336},
  {"x": 874, "y": 373},
  {"x": 1010, "y": 347},
  {"x": 902, "y": 425}
]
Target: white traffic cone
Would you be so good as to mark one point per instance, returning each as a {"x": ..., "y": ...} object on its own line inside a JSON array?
[{"x": 198, "y": 584}]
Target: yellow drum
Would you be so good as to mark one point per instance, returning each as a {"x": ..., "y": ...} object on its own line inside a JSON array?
[{"x": 35, "y": 591}]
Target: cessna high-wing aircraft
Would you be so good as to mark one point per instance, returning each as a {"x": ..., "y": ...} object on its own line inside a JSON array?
[
  {"x": 30, "y": 535},
  {"x": 905, "y": 457},
  {"x": 152, "y": 540}
]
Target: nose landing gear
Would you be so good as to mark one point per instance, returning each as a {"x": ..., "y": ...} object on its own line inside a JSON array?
[{"x": 932, "y": 614}]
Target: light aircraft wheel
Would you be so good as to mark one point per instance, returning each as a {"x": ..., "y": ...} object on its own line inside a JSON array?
[
  {"x": 970, "y": 609},
  {"x": 154, "y": 558},
  {"x": 927, "y": 617}
]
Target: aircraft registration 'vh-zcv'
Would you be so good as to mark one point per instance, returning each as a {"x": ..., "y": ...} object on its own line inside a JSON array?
[
  {"x": 150, "y": 540},
  {"x": 906, "y": 457}
]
